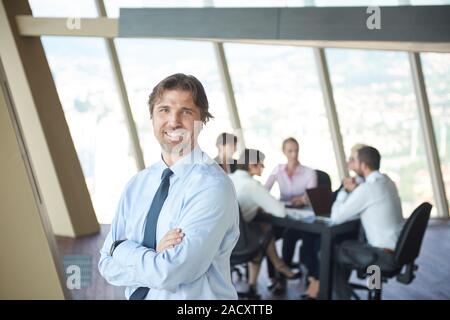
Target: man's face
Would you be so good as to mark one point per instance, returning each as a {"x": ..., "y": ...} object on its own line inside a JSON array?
[
  {"x": 351, "y": 163},
  {"x": 176, "y": 122},
  {"x": 354, "y": 164}
]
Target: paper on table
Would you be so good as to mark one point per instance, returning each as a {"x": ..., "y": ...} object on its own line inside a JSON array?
[{"x": 300, "y": 213}]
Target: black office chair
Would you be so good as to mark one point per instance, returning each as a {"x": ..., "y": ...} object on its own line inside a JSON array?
[
  {"x": 248, "y": 248},
  {"x": 323, "y": 179},
  {"x": 406, "y": 251}
]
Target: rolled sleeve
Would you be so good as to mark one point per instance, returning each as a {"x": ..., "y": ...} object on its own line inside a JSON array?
[
  {"x": 266, "y": 201},
  {"x": 349, "y": 205}
]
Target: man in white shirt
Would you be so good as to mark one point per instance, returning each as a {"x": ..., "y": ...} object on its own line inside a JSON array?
[{"x": 377, "y": 203}]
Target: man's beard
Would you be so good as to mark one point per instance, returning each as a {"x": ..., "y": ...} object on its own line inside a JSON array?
[
  {"x": 180, "y": 149},
  {"x": 359, "y": 173},
  {"x": 188, "y": 141}
]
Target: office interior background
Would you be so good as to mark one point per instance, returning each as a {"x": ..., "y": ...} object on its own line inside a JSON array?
[{"x": 395, "y": 97}]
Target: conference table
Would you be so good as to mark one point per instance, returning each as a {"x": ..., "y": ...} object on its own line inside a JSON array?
[{"x": 330, "y": 235}]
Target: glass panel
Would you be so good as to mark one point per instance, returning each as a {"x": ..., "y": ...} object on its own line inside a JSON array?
[
  {"x": 428, "y": 2},
  {"x": 83, "y": 78},
  {"x": 355, "y": 3},
  {"x": 113, "y": 6},
  {"x": 364, "y": 3},
  {"x": 278, "y": 95},
  {"x": 146, "y": 62},
  {"x": 260, "y": 3},
  {"x": 376, "y": 105},
  {"x": 436, "y": 69},
  {"x": 63, "y": 8}
]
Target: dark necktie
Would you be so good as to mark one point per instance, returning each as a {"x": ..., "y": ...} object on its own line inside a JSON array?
[{"x": 150, "y": 225}]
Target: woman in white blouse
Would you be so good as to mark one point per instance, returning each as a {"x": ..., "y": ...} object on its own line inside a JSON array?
[{"x": 253, "y": 196}]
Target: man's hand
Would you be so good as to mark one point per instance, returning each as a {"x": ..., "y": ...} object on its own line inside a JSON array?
[
  {"x": 350, "y": 184},
  {"x": 170, "y": 239}
]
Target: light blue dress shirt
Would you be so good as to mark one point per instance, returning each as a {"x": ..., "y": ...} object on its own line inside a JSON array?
[{"x": 202, "y": 202}]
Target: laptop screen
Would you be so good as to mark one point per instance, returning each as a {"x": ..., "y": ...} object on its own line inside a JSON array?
[{"x": 320, "y": 199}]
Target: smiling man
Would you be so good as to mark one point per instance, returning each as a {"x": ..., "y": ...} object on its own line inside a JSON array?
[{"x": 177, "y": 221}]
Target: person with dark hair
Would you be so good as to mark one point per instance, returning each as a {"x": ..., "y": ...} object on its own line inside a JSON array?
[
  {"x": 377, "y": 203},
  {"x": 177, "y": 248},
  {"x": 351, "y": 168},
  {"x": 252, "y": 197},
  {"x": 226, "y": 144},
  {"x": 311, "y": 242}
]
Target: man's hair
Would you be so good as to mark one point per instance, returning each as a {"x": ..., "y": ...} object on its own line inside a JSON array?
[
  {"x": 290, "y": 139},
  {"x": 248, "y": 157},
  {"x": 226, "y": 138},
  {"x": 181, "y": 81},
  {"x": 370, "y": 156},
  {"x": 358, "y": 146}
]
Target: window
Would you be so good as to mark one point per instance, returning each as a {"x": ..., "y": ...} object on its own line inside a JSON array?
[
  {"x": 113, "y": 6},
  {"x": 83, "y": 78},
  {"x": 278, "y": 95},
  {"x": 436, "y": 69},
  {"x": 63, "y": 8},
  {"x": 376, "y": 105},
  {"x": 362, "y": 3}
]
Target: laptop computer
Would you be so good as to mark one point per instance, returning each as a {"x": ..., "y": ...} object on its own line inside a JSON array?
[{"x": 320, "y": 199}]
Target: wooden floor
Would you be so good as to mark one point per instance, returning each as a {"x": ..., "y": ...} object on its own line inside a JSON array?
[{"x": 432, "y": 281}]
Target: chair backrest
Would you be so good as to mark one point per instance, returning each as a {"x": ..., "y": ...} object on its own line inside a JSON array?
[
  {"x": 242, "y": 242},
  {"x": 323, "y": 179},
  {"x": 248, "y": 242},
  {"x": 408, "y": 244}
]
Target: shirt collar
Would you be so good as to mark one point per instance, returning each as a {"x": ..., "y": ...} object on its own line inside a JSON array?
[
  {"x": 373, "y": 176},
  {"x": 297, "y": 170},
  {"x": 182, "y": 166},
  {"x": 359, "y": 179}
]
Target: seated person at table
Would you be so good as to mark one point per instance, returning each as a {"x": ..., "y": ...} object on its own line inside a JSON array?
[
  {"x": 309, "y": 250},
  {"x": 311, "y": 243},
  {"x": 293, "y": 178},
  {"x": 226, "y": 144},
  {"x": 377, "y": 203},
  {"x": 252, "y": 197}
]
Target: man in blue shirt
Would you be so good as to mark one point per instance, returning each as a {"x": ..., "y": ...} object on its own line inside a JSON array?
[{"x": 177, "y": 221}]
